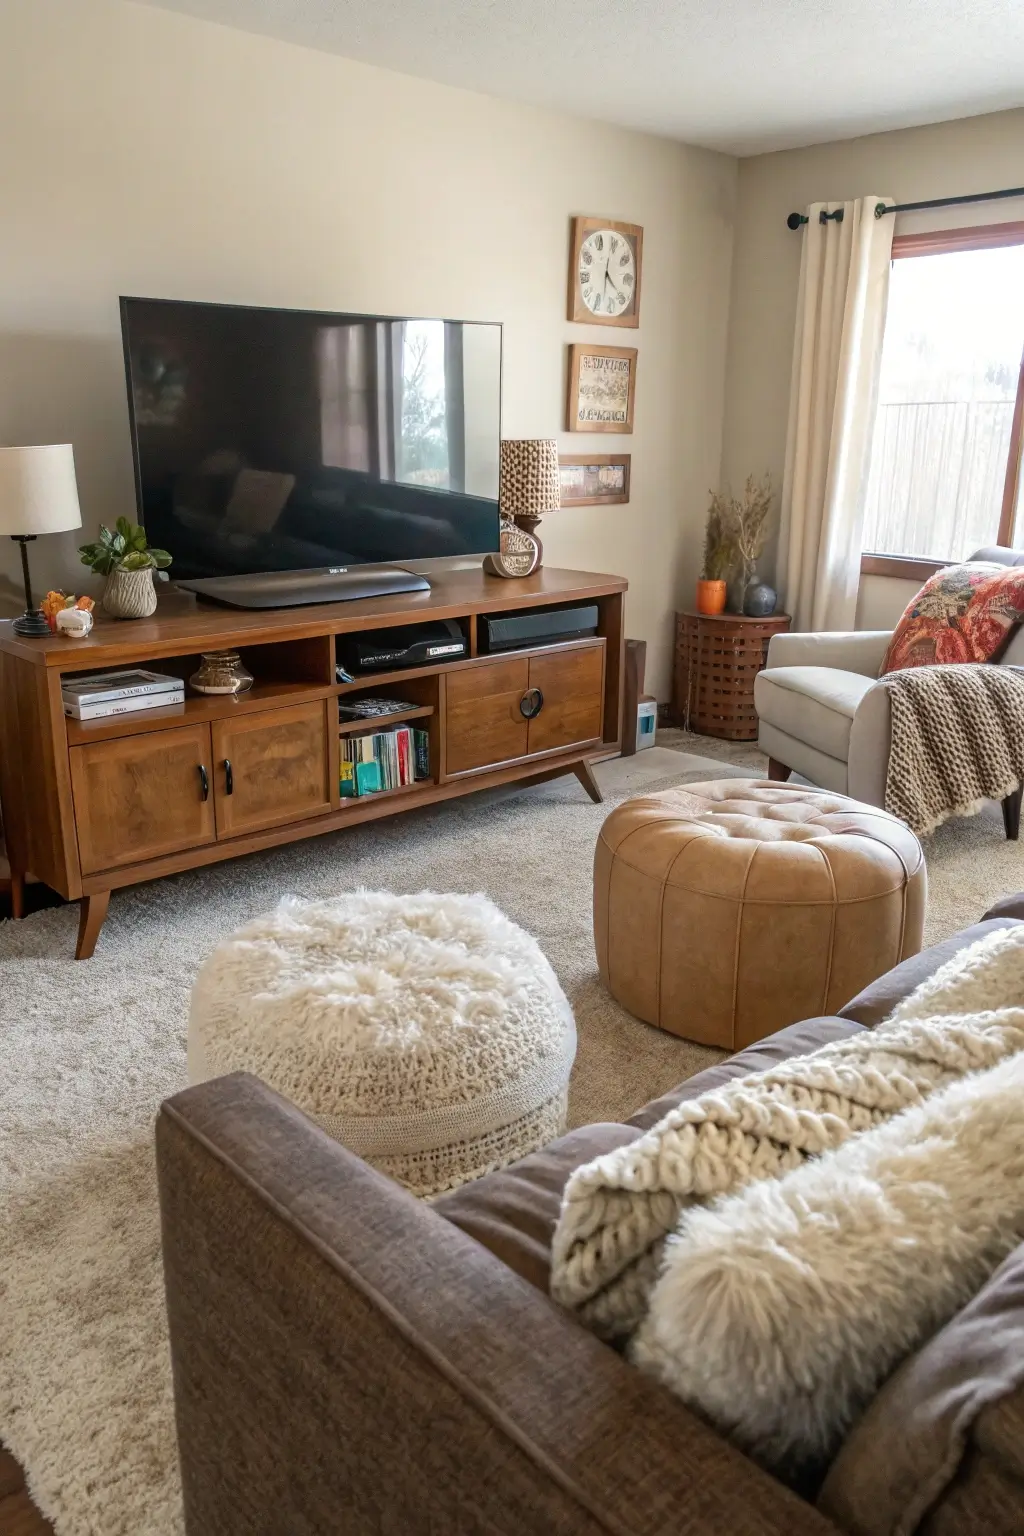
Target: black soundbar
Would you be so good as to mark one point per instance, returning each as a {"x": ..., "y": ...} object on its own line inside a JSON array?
[
  {"x": 536, "y": 626},
  {"x": 320, "y": 584}
]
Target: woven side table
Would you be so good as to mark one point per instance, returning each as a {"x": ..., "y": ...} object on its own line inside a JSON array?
[{"x": 716, "y": 661}]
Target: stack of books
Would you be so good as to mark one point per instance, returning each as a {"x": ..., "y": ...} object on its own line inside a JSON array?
[
  {"x": 386, "y": 760},
  {"x": 95, "y": 695}
]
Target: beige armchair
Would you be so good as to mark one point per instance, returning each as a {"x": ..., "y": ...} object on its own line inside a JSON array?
[{"x": 823, "y": 714}]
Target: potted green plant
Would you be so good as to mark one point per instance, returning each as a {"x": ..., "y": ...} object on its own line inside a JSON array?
[
  {"x": 125, "y": 558},
  {"x": 719, "y": 552}
]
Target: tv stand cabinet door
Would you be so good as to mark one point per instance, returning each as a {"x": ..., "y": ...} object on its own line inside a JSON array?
[
  {"x": 483, "y": 721},
  {"x": 572, "y": 685},
  {"x": 271, "y": 768},
  {"x": 140, "y": 797}
]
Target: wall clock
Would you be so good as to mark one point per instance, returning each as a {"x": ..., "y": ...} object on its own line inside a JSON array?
[{"x": 604, "y": 272}]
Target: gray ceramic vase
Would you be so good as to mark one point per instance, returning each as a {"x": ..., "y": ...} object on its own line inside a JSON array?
[{"x": 759, "y": 599}]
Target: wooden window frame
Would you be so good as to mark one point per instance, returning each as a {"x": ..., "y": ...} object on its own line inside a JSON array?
[{"x": 939, "y": 242}]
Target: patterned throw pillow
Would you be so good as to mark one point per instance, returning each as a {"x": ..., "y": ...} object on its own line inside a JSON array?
[{"x": 962, "y": 613}]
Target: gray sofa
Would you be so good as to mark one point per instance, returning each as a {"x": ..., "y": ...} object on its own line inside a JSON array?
[
  {"x": 350, "y": 1362},
  {"x": 821, "y": 711}
]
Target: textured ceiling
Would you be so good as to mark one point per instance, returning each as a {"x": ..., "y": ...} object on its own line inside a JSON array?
[{"x": 739, "y": 75}]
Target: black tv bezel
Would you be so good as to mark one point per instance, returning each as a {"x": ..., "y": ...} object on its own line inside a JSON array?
[{"x": 125, "y": 299}]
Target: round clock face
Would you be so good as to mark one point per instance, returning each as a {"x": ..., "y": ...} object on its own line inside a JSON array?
[{"x": 607, "y": 273}]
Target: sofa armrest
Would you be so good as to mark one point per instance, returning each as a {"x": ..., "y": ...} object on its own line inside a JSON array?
[
  {"x": 855, "y": 651},
  {"x": 346, "y": 1361}
]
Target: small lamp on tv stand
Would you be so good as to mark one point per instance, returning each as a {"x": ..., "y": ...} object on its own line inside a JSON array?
[
  {"x": 529, "y": 486},
  {"x": 38, "y": 494}
]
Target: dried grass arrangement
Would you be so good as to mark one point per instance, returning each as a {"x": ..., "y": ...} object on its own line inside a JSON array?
[
  {"x": 736, "y": 533},
  {"x": 748, "y": 519}
]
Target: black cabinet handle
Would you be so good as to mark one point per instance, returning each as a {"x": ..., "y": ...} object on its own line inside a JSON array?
[
  {"x": 204, "y": 781},
  {"x": 531, "y": 703},
  {"x": 229, "y": 778}
]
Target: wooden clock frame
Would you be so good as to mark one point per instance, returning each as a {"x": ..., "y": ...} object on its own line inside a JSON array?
[{"x": 582, "y": 226}]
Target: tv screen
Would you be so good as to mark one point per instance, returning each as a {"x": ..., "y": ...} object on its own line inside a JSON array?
[{"x": 280, "y": 440}]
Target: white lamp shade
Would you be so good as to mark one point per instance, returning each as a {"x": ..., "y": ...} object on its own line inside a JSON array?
[{"x": 38, "y": 490}]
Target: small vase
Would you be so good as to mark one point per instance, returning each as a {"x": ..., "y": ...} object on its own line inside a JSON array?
[
  {"x": 129, "y": 594},
  {"x": 221, "y": 672},
  {"x": 710, "y": 597},
  {"x": 759, "y": 599}
]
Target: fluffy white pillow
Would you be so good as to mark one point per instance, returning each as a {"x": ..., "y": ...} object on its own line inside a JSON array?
[{"x": 781, "y": 1309}]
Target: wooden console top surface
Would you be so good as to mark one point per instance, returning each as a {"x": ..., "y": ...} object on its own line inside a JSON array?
[{"x": 183, "y": 623}]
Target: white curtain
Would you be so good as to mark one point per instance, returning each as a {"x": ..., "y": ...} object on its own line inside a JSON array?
[{"x": 844, "y": 284}]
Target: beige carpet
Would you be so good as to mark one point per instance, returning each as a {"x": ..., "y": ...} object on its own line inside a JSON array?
[{"x": 91, "y": 1049}]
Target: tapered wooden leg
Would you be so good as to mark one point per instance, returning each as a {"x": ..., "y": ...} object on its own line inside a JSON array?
[
  {"x": 17, "y": 895},
  {"x": 778, "y": 771},
  {"x": 91, "y": 912},
  {"x": 1011, "y": 814},
  {"x": 585, "y": 774}
]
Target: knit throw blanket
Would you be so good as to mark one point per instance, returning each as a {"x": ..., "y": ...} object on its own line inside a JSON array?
[
  {"x": 618, "y": 1210},
  {"x": 957, "y": 740}
]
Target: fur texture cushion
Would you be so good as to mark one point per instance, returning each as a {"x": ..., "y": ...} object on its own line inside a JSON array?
[
  {"x": 617, "y": 1211},
  {"x": 427, "y": 1033},
  {"x": 781, "y": 1309}
]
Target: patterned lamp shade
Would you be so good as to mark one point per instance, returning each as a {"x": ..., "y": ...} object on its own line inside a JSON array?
[{"x": 529, "y": 485}]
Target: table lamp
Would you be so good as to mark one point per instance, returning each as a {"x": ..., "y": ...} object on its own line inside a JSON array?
[
  {"x": 38, "y": 494},
  {"x": 529, "y": 485}
]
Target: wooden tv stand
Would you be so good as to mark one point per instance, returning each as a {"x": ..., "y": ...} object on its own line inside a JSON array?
[{"x": 93, "y": 805}]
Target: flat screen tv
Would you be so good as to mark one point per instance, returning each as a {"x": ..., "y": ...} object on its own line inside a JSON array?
[{"x": 287, "y": 456}]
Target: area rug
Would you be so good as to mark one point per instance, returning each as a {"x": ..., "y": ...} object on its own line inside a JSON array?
[{"x": 90, "y": 1049}]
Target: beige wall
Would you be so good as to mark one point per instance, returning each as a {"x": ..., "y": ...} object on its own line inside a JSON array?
[
  {"x": 147, "y": 153},
  {"x": 974, "y": 155}
]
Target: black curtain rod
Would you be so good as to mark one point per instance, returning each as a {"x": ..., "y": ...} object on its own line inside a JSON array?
[{"x": 796, "y": 219}]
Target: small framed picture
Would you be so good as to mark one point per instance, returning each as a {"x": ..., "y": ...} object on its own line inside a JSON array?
[
  {"x": 594, "y": 480},
  {"x": 602, "y": 384}
]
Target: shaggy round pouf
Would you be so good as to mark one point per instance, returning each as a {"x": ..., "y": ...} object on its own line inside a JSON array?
[
  {"x": 426, "y": 1033},
  {"x": 725, "y": 911}
]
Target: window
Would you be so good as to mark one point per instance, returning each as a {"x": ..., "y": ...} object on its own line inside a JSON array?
[{"x": 946, "y": 455}]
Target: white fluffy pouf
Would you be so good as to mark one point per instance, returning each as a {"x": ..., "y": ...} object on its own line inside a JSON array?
[{"x": 426, "y": 1033}]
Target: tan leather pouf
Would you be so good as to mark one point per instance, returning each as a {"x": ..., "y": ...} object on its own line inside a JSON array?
[{"x": 725, "y": 911}]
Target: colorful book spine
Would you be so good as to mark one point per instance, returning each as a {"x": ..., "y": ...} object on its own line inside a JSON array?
[{"x": 421, "y": 751}]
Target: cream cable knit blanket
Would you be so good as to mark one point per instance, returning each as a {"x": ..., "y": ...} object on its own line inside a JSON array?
[
  {"x": 957, "y": 741},
  {"x": 618, "y": 1210}
]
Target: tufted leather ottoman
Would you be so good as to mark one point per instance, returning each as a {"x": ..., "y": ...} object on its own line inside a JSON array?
[{"x": 725, "y": 911}]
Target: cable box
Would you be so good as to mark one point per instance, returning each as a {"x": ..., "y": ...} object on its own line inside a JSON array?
[
  {"x": 406, "y": 645},
  {"x": 536, "y": 626}
]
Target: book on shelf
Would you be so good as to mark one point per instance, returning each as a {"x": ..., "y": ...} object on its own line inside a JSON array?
[
  {"x": 102, "y": 709},
  {"x": 387, "y": 759},
  {"x": 106, "y": 687}
]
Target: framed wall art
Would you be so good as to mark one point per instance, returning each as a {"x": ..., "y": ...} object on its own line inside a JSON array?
[
  {"x": 604, "y": 272},
  {"x": 594, "y": 480},
  {"x": 602, "y": 384}
]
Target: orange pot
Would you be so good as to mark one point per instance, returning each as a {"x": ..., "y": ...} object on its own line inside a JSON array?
[{"x": 711, "y": 597}]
